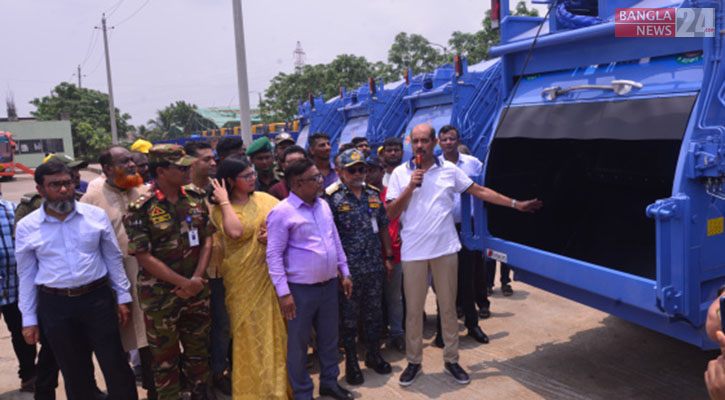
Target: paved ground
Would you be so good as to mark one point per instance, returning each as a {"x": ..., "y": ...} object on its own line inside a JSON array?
[{"x": 542, "y": 347}]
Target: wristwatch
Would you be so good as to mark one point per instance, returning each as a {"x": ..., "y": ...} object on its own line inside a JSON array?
[{"x": 390, "y": 258}]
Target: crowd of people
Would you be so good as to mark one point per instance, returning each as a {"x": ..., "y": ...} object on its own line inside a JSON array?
[{"x": 199, "y": 268}]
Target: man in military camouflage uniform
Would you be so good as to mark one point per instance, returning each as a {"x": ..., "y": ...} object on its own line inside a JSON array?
[
  {"x": 363, "y": 226},
  {"x": 169, "y": 233},
  {"x": 46, "y": 368}
]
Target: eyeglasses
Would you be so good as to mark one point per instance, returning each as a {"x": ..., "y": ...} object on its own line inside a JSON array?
[
  {"x": 248, "y": 177},
  {"x": 182, "y": 168},
  {"x": 315, "y": 178},
  {"x": 57, "y": 185},
  {"x": 358, "y": 170}
]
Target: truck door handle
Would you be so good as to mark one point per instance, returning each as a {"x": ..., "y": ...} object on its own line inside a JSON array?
[{"x": 618, "y": 86}]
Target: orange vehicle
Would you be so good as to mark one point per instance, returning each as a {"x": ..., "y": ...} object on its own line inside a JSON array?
[{"x": 7, "y": 155}]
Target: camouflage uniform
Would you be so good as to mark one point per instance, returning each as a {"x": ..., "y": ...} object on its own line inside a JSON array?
[
  {"x": 161, "y": 228},
  {"x": 354, "y": 219}
]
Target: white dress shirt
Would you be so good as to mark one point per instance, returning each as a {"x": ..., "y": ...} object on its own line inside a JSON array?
[
  {"x": 472, "y": 167},
  {"x": 427, "y": 227},
  {"x": 66, "y": 254}
]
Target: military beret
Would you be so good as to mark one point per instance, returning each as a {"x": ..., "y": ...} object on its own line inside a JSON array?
[{"x": 260, "y": 145}]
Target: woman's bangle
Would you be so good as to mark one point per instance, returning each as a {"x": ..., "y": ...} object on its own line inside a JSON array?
[{"x": 224, "y": 203}]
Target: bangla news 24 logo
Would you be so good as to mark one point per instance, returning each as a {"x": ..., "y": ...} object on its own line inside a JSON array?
[{"x": 664, "y": 22}]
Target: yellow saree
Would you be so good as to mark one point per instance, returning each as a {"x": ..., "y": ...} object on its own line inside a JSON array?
[{"x": 258, "y": 329}]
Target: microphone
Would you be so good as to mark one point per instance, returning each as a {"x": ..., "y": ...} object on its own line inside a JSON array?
[{"x": 418, "y": 163}]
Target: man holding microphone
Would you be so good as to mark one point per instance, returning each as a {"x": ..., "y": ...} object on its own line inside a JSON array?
[{"x": 422, "y": 193}]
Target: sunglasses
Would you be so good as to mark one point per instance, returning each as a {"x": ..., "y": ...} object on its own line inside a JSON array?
[
  {"x": 181, "y": 168},
  {"x": 356, "y": 170}
]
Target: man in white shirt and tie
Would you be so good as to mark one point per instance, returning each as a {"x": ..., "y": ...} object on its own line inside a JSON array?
[{"x": 69, "y": 266}]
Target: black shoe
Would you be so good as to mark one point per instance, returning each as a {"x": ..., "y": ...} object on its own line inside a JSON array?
[
  {"x": 507, "y": 290},
  {"x": 408, "y": 376},
  {"x": 489, "y": 290},
  {"x": 98, "y": 394},
  {"x": 458, "y": 374},
  {"x": 203, "y": 392},
  {"x": 484, "y": 313},
  {"x": 336, "y": 392},
  {"x": 438, "y": 342},
  {"x": 459, "y": 312},
  {"x": 375, "y": 361},
  {"x": 222, "y": 383},
  {"x": 478, "y": 335},
  {"x": 28, "y": 386},
  {"x": 398, "y": 343},
  {"x": 353, "y": 375}
]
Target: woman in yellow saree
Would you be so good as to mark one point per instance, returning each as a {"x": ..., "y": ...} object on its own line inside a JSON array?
[{"x": 258, "y": 329}]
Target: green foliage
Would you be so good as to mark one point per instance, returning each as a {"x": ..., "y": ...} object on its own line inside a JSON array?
[
  {"x": 173, "y": 121},
  {"x": 83, "y": 106},
  {"x": 413, "y": 52},
  {"x": 475, "y": 46},
  {"x": 407, "y": 51},
  {"x": 280, "y": 102}
]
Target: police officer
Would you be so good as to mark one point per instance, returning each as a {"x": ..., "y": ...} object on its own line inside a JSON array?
[
  {"x": 168, "y": 231},
  {"x": 363, "y": 227}
]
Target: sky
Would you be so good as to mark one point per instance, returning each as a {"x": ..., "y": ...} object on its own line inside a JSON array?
[{"x": 164, "y": 51}]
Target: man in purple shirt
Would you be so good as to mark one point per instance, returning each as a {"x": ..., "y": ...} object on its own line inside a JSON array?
[{"x": 304, "y": 255}]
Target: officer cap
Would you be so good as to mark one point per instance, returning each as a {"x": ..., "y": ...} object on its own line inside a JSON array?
[
  {"x": 283, "y": 137},
  {"x": 171, "y": 153},
  {"x": 261, "y": 145},
  {"x": 69, "y": 161},
  {"x": 351, "y": 157}
]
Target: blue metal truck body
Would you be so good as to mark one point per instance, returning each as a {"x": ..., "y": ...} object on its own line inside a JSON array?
[
  {"x": 467, "y": 100},
  {"x": 631, "y": 170}
]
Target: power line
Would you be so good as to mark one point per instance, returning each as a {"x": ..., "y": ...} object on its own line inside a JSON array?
[
  {"x": 91, "y": 47},
  {"x": 133, "y": 14},
  {"x": 114, "y": 8}
]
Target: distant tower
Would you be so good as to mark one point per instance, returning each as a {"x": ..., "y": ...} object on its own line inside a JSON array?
[{"x": 299, "y": 55}]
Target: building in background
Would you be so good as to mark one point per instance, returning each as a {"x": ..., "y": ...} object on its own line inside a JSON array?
[{"x": 34, "y": 139}]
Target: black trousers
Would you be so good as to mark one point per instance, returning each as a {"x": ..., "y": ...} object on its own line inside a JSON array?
[
  {"x": 23, "y": 351},
  {"x": 491, "y": 273},
  {"x": 76, "y": 326}
]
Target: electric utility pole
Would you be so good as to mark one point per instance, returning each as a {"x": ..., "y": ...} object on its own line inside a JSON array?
[
  {"x": 244, "y": 118},
  {"x": 111, "y": 107}
]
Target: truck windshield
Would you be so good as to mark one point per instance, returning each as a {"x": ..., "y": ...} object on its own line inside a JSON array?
[{"x": 596, "y": 166}]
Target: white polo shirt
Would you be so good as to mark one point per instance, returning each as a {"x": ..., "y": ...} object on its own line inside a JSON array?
[
  {"x": 427, "y": 228},
  {"x": 472, "y": 167}
]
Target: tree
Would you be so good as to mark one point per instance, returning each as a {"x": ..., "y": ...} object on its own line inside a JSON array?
[
  {"x": 415, "y": 52},
  {"x": 86, "y": 106},
  {"x": 173, "y": 120},
  {"x": 280, "y": 102},
  {"x": 475, "y": 46}
]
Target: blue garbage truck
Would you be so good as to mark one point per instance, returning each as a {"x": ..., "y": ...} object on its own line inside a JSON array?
[{"x": 623, "y": 138}]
